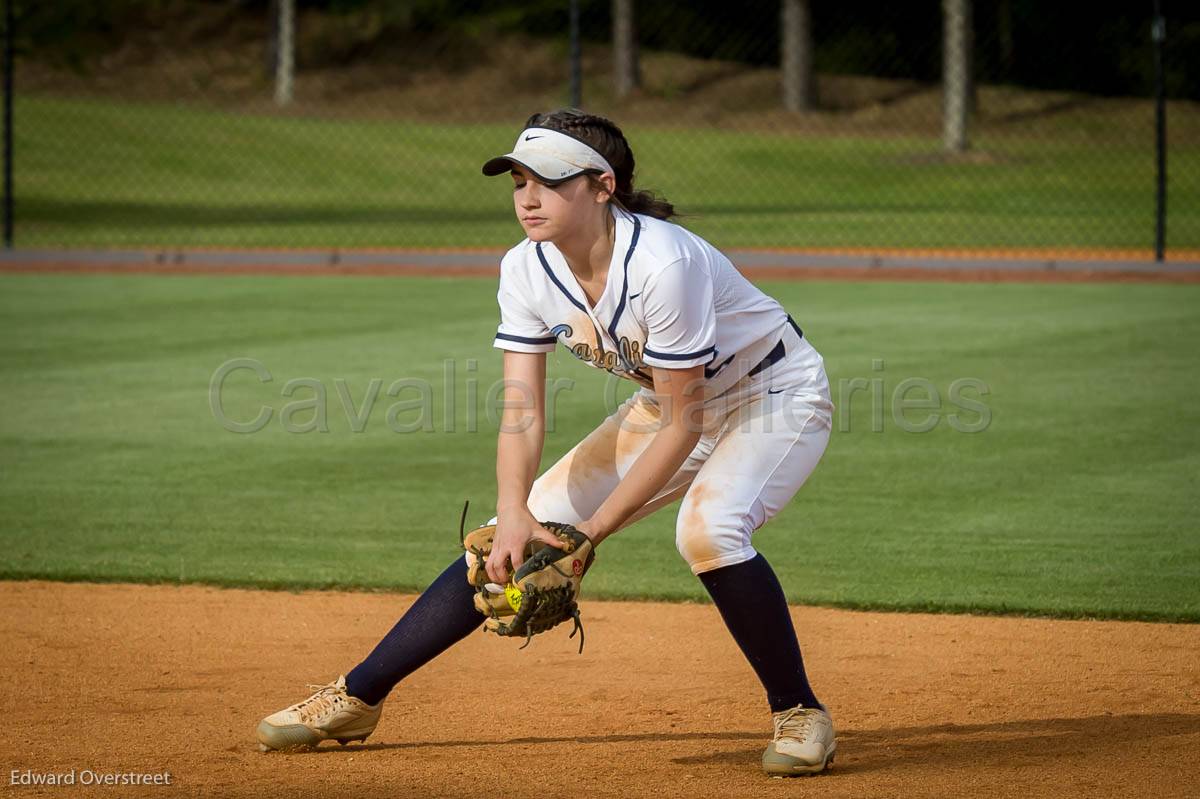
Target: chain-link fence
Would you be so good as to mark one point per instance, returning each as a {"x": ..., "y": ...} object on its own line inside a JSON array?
[{"x": 862, "y": 124}]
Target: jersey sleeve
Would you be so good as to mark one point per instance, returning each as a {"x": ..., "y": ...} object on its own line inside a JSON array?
[
  {"x": 521, "y": 329},
  {"x": 681, "y": 316}
]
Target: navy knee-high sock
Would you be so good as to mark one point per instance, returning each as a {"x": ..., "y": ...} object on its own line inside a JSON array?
[
  {"x": 752, "y": 603},
  {"x": 441, "y": 617}
]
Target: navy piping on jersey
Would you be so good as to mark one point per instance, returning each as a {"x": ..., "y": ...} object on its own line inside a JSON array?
[
  {"x": 612, "y": 328},
  {"x": 669, "y": 356},
  {"x": 710, "y": 373},
  {"x": 795, "y": 326},
  {"x": 526, "y": 339},
  {"x": 554, "y": 277}
]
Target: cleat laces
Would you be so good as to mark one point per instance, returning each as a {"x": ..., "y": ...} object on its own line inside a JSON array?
[
  {"x": 320, "y": 703},
  {"x": 795, "y": 724}
]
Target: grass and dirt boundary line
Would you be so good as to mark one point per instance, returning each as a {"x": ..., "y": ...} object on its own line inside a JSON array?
[{"x": 1029, "y": 265}]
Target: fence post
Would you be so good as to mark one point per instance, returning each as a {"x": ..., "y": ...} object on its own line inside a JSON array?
[
  {"x": 285, "y": 56},
  {"x": 956, "y": 66},
  {"x": 576, "y": 56},
  {"x": 1158, "y": 33},
  {"x": 625, "y": 53},
  {"x": 796, "y": 56},
  {"x": 8, "y": 124}
]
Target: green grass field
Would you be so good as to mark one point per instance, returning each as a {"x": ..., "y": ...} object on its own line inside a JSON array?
[
  {"x": 1078, "y": 499},
  {"x": 101, "y": 173}
]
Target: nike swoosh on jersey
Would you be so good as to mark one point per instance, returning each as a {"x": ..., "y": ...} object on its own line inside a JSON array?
[{"x": 531, "y": 138}]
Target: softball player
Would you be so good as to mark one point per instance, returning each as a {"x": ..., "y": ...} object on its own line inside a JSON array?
[{"x": 733, "y": 413}]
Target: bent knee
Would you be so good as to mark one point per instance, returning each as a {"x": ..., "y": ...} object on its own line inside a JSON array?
[{"x": 711, "y": 543}]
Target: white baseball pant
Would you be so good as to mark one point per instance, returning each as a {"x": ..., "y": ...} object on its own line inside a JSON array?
[{"x": 760, "y": 442}]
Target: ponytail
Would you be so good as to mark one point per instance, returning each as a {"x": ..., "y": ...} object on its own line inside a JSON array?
[{"x": 645, "y": 202}]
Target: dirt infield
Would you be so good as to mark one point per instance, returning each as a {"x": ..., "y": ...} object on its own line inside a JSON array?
[{"x": 120, "y": 678}]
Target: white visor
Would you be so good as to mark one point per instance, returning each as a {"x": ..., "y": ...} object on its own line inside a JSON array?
[{"x": 552, "y": 156}]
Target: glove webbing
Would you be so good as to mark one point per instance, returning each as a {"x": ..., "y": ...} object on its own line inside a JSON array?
[
  {"x": 547, "y": 604},
  {"x": 544, "y": 602}
]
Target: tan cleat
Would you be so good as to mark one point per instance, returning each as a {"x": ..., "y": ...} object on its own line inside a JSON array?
[
  {"x": 329, "y": 713},
  {"x": 804, "y": 743}
]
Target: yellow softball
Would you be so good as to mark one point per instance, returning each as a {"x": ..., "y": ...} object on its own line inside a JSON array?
[{"x": 514, "y": 596}]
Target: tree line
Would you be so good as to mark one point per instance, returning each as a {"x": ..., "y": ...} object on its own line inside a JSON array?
[{"x": 1076, "y": 45}]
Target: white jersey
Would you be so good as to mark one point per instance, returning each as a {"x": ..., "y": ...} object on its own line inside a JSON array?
[{"x": 671, "y": 300}]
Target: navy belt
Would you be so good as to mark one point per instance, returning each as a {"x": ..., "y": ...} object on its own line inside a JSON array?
[{"x": 776, "y": 354}]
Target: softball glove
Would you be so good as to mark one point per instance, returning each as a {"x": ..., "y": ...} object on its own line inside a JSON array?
[{"x": 543, "y": 590}]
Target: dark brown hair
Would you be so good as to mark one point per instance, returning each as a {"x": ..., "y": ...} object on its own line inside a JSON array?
[{"x": 603, "y": 136}]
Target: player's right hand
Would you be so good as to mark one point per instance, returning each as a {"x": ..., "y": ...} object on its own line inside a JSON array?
[{"x": 514, "y": 530}]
